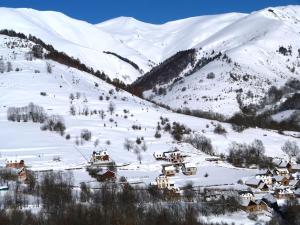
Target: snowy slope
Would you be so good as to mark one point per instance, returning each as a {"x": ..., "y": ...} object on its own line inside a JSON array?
[
  {"x": 77, "y": 38},
  {"x": 253, "y": 63},
  {"x": 39, "y": 148},
  {"x": 159, "y": 42},
  {"x": 144, "y": 44}
]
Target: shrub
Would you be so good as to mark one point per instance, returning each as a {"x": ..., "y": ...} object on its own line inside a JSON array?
[
  {"x": 238, "y": 128},
  {"x": 219, "y": 129},
  {"x": 9, "y": 67},
  {"x": 201, "y": 143},
  {"x": 86, "y": 134},
  {"x": 54, "y": 123},
  {"x": 210, "y": 75},
  {"x": 178, "y": 130},
  {"x": 37, "y": 51},
  {"x": 157, "y": 134},
  {"x": 243, "y": 155}
]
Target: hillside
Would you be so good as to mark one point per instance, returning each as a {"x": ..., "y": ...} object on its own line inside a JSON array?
[
  {"x": 233, "y": 69},
  {"x": 82, "y": 102}
]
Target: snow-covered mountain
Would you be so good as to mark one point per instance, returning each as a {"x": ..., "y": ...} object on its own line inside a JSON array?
[
  {"x": 232, "y": 68},
  {"x": 146, "y": 45},
  {"x": 82, "y": 101},
  {"x": 249, "y": 62}
]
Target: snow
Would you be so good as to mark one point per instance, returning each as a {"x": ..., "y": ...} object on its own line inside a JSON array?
[
  {"x": 252, "y": 43},
  {"x": 40, "y": 148},
  {"x": 146, "y": 45}
]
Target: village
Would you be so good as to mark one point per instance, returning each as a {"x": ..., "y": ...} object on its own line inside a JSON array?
[{"x": 259, "y": 194}]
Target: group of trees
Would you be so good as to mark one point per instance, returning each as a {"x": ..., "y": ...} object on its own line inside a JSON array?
[
  {"x": 5, "y": 67},
  {"x": 138, "y": 147},
  {"x": 244, "y": 155},
  {"x": 109, "y": 204},
  {"x": 31, "y": 112},
  {"x": 201, "y": 143},
  {"x": 291, "y": 149},
  {"x": 36, "y": 114},
  {"x": 54, "y": 123}
]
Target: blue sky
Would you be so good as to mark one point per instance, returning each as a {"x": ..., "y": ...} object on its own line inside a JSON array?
[{"x": 153, "y": 11}]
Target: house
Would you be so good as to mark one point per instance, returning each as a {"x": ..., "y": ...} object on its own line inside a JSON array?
[
  {"x": 295, "y": 168},
  {"x": 99, "y": 157},
  {"x": 261, "y": 205},
  {"x": 15, "y": 164},
  {"x": 17, "y": 167},
  {"x": 163, "y": 182},
  {"x": 294, "y": 184},
  {"x": 106, "y": 175},
  {"x": 281, "y": 180},
  {"x": 258, "y": 184},
  {"x": 4, "y": 188},
  {"x": 270, "y": 200},
  {"x": 189, "y": 168},
  {"x": 283, "y": 193},
  {"x": 213, "y": 159},
  {"x": 280, "y": 171},
  {"x": 176, "y": 157},
  {"x": 265, "y": 176},
  {"x": 169, "y": 170},
  {"x": 246, "y": 195},
  {"x": 297, "y": 193},
  {"x": 22, "y": 175},
  {"x": 252, "y": 206},
  {"x": 283, "y": 164},
  {"x": 159, "y": 156}
]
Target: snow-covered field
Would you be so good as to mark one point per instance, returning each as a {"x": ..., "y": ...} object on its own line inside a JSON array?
[{"x": 20, "y": 140}]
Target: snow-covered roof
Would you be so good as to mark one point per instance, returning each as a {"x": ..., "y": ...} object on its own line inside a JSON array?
[
  {"x": 269, "y": 198},
  {"x": 283, "y": 164},
  {"x": 264, "y": 172},
  {"x": 294, "y": 182},
  {"x": 169, "y": 168},
  {"x": 296, "y": 166},
  {"x": 253, "y": 181},
  {"x": 157, "y": 154},
  {"x": 282, "y": 169},
  {"x": 190, "y": 165},
  {"x": 278, "y": 178},
  {"x": 243, "y": 192}
]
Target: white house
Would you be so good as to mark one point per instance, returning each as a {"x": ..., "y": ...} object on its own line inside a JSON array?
[
  {"x": 169, "y": 170},
  {"x": 99, "y": 157},
  {"x": 159, "y": 156},
  {"x": 265, "y": 176},
  {"x": 246, "y": 195},
  {"x": 189, "y": 168},
  {"x": 163, "y": 182}
]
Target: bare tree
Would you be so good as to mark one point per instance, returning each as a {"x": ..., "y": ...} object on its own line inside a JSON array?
[
  {"x": 144, "y": 146},
  {"x": 9, "y": 67},
  {"x": 71, "y": 97},
  {"x": 48, "y": 67},
  {"x": 102, "y": 114},
  {"x": 2, "y": 66},
  {"x": 96, "y": 143},
  {"x": 258, "y": 147},
  {"x": 290, "y": 148},
  {"x": 137, "y": 151},
  {"x": 72, "y": 110},
  {"x": 111, "y": 107},
  {"x": 128, "y": 145}
]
